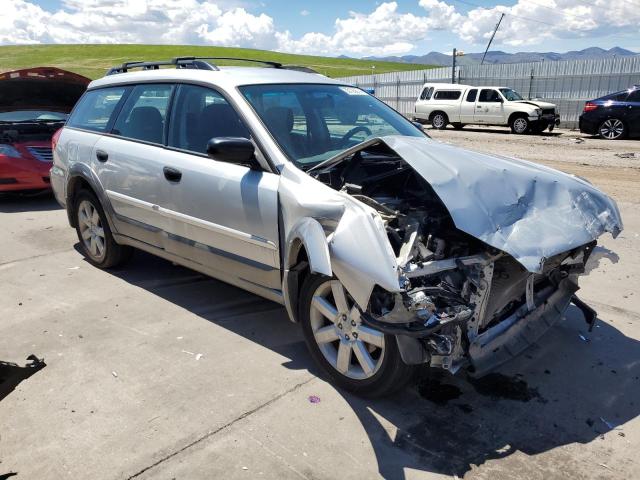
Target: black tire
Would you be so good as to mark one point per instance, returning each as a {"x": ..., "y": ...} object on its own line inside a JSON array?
[
  {"x": 612, "y": 129},
  {"x": 392, "y": 373},
  {"x": 113, "y": 254},
  {"x": 520, "y": 125},
  {"x": 538, "y": 129},
  {"x": 457, "y": 126},
  {"x": 439, "y": 120}
]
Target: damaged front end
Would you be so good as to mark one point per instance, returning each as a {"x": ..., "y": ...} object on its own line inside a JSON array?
[{"x": 465, "y": 287}]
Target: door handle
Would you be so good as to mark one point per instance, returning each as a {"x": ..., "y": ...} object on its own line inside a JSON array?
[
  {"x": 102, "y": 156},
  {"x": 172, "y": 174}
]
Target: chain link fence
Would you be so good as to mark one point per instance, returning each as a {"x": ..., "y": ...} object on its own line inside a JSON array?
[{"x": 568, "y": 84}]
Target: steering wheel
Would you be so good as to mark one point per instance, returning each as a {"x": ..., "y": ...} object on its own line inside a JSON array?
[{"x": 352, "y": 132}]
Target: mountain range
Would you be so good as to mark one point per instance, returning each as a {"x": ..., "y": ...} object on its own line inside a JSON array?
[{"x": 497, "y": 56}]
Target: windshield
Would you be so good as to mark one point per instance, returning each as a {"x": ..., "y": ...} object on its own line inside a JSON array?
[
  {"x": 312, "y": 123},
  {"x": 32, "y": 115},
  {"x": 511, "y": 95}
]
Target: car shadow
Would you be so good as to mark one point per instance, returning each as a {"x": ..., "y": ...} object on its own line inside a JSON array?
[
  {"x": 33, "y": 202},
  {"x": 12, "y": 374},
  {"x": 571, "y": 387},
  {"x": 505, "y": 131}
]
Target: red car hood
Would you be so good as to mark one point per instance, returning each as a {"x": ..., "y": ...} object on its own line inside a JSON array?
[{"x": 45, "y": 88}]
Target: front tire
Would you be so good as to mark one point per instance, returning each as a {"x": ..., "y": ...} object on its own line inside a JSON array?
[
  {"x": 96, "y": 241},
  {"x": 612, "y": 129},
  {"x": 520, "y": 125},
  {"x": 356, "y": 357},
  {"x": 439, "y": 120}
]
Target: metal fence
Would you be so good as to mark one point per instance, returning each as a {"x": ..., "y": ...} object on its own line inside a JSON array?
[{"x": 568, "y": 84}]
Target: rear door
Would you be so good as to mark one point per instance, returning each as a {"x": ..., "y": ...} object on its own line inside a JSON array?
[
  {"x": 489, "y": 107},
  {"x": 468, "y": 106},
  {"x": 129, "y": 162}
]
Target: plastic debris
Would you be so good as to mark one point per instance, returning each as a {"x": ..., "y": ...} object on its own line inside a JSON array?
[
  {"x": 245, "y": 468},
  {"x": 73, "y": 268},
  {"x": 188, "y": 352},
  {"x": 115, "y": 374},
  {"x": 583, "y": 338},
  {"x": 314, "y": 399},
  {"x": 199, "y": 356}
]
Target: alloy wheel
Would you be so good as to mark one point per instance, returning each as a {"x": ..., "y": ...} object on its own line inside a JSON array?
[
  {"x": 353, "y": 349},
  {"x": 612, "y": 129},
  {"x": 520, "y": 125},
  {"x": 91, "y": 231},
  {"x": 438, "y": 121}
]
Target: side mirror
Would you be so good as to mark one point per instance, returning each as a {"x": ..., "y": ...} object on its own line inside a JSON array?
[{"x": 236, "y": 150}]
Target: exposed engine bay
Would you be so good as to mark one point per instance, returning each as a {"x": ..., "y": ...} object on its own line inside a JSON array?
[{"x": 458, "y": 294}]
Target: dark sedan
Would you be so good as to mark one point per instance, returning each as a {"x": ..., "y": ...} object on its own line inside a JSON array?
[{"x": 613, "y": 116}]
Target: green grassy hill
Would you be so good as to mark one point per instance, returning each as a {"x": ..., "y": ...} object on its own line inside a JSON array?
[{"x": 94, "y": 60}]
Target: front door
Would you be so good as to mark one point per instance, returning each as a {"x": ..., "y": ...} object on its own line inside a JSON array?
[{"x": 489, "y": 107}]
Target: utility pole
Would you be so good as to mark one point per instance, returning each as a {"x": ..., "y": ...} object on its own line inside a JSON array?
[
  {"x": 456, "y": 53},
  {"x": 491, "y": 39}
]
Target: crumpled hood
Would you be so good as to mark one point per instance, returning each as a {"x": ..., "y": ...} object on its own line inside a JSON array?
[{"x": 527, "y": 210}]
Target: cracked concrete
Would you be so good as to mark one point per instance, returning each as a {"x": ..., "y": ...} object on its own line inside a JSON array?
[{"x": 155, "y": 371}]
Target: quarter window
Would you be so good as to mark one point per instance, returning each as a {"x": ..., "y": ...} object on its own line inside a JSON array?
[
  {"x": 634, "y": 96},
  {"x": 447, "y": 95},
  {"x": 144, "y": 113},
  {"x": 489, "y": 95},
  {"x": 472, "y": 94},
  {"x": 426, "y": 93},
  {"x": 95, "y": 109},
  {"x": 199, "y": 114}
]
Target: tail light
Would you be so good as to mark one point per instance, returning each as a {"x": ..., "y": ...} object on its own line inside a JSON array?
[
  {"x": 54, "y": 139},
  {"x": 589, "y": 106}
]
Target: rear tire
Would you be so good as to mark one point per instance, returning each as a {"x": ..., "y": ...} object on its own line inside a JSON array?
[
  {"x": 439, "y": 120},
  {"x": 520, "y": 125},
  {"x": 356, "y": 358},
  {"x": 612, "y": 129},
  {"x": 96, "y": 241}
]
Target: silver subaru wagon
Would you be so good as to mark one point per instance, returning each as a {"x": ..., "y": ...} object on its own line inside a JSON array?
[{"x": 391, "y": 249}]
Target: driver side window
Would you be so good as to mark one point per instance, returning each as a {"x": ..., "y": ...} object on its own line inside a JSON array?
[
  {"x": 200, "y": 114},
  {"x": 489, "y": 95}
]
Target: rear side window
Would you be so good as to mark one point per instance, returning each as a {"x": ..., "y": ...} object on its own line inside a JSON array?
[
  {"x": 447, "y": 95},
  {"x": 144, "y": 113},
  {"x": 198, "y": 115},
  {"x": 96, "y": 108},
  {"x": 472, "y": 94},
  {"x": 617, "y": 97},
  {"x": 489, "y": 95},
  {"x": 634, "y": 96},
  {"x": 426, "y": 93}
]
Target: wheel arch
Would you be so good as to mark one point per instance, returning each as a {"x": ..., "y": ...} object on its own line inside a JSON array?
[
  {"x": 517, "y": 114},
  {"x": 82, "y": 178},
  {"x": 306, "y": 252}
]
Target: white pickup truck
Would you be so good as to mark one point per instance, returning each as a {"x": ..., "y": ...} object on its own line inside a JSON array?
[{"x": 443, "y": 103}]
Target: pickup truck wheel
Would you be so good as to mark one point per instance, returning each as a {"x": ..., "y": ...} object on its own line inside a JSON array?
[
  {"x": 519, "y": 125},
  {"x": 439, "y": 120},
  {"x": 356, "y": 357},
  {"x": 96, "y": 241},
  {"x": 612, "y": 129}
]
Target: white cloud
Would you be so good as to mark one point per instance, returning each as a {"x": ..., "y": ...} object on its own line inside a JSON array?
[
  {"x": 383, "y": 31},
  {"x": 305, "y": 13}
]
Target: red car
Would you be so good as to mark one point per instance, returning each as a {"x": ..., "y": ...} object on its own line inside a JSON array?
[{"x": 34, "y": 104}]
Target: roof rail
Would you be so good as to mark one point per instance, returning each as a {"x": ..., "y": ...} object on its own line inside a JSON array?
[{"x": 198, "y": 63}]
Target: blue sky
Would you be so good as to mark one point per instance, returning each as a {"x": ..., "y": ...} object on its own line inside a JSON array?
[{"x": 355, "y": 28}]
